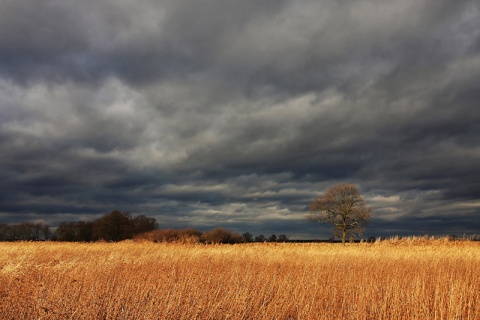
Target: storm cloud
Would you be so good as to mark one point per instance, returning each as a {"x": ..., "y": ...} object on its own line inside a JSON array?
[{"x": 239, "y": 113}]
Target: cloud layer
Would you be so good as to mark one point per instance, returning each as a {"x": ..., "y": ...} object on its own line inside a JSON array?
[{"x": 237, "y": 114}]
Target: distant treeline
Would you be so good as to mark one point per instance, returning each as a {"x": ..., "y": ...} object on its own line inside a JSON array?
[
  {"x": 118, "y": 226},
  {"x": 115, "y": 226},
  {"x": 26, "y": 231},
  {"x": 217, "y": 235}
]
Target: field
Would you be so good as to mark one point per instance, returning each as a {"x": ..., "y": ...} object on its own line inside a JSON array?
[{"x": 396, "y": 279}]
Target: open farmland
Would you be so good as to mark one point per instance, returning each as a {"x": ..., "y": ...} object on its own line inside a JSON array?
[{"x": 396, "y": 279}]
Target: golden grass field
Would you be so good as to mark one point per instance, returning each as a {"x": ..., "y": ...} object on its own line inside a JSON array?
[{"x": 396, "y": 279}]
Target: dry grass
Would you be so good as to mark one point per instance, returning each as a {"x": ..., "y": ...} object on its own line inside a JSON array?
[{"x": 397, "y": 279}]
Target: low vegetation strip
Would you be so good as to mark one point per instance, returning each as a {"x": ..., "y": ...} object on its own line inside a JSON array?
[{"x": 396, "y": 279}]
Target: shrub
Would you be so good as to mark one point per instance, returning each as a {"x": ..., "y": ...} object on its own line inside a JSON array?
[
  {"x": 219, "y": 235},
  {"x": 171, "y": 235}
]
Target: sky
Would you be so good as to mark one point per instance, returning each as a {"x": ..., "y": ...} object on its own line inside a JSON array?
[{"x": 238, "y": 114}]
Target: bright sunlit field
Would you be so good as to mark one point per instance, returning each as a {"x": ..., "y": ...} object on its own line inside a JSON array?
[{"x": 396, "y": 279}]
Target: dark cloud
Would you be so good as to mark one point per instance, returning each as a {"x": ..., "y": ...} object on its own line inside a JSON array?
[{"x": 231, "y": 114}]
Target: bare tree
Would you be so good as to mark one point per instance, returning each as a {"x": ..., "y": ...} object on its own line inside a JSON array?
[
  {"x": 343, "y": 207},
  {"x": 75, "y": 231},
  {"x": 26, "y": 231},
  {"x": 143, "y": 223},
  {"x": 272, "y": 238},
  {"x": 115, "y": 226},
  {"x": 247, "y": 236},
  {"x": 260, "y": 238}
]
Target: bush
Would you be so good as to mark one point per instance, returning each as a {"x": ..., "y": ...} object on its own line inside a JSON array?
[
  {"x": 215, "y": 236},
  {"x": 219, "y": 235},
  {"x": 171, "y": 235}
]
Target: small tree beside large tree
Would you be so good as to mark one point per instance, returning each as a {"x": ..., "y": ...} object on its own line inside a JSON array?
[{"x": 343, "y": 207}]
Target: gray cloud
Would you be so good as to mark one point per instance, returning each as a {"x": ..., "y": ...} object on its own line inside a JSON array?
[{"x": 233, "y": 114}]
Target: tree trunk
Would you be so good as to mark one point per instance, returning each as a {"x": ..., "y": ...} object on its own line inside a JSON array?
[{"x": 344, "y": 237}]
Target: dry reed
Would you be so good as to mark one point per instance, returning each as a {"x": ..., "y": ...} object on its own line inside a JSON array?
[{"x": 396, "y": 279}]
